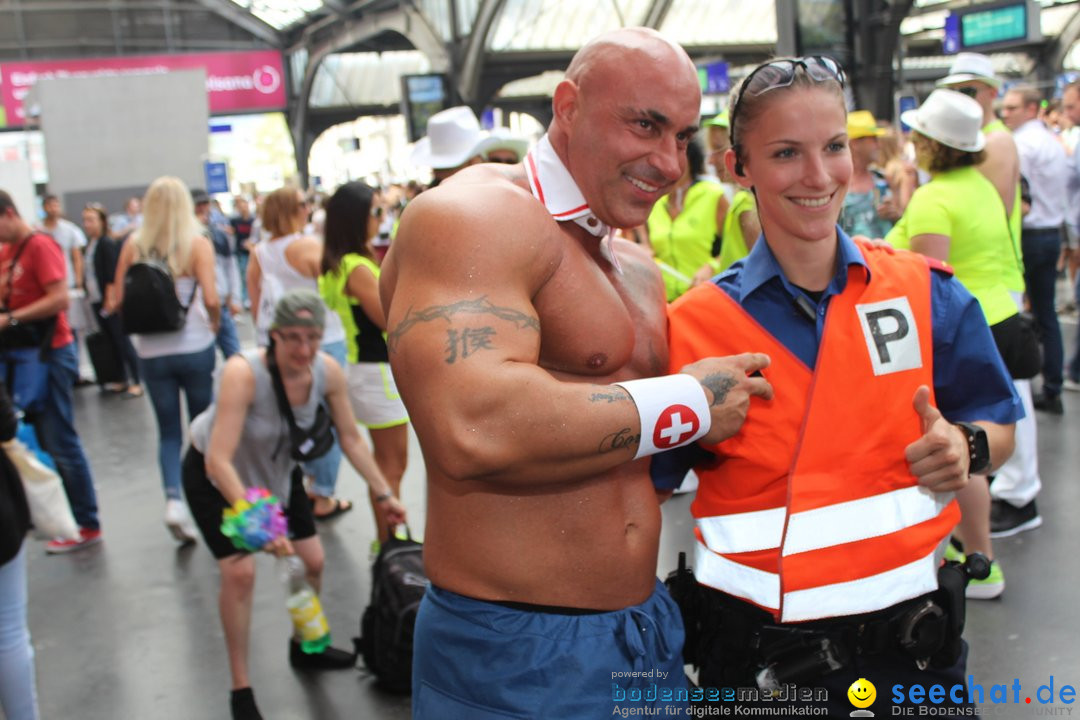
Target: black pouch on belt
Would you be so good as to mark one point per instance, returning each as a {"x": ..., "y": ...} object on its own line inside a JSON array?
[
  {"x": 952, "y": 582},
  {"x": 687, "y": 594}
]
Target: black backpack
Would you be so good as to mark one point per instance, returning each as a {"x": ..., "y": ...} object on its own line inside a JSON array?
[
  {"x": 398, "y": 584},
  {"x": 150, "y": 303}
]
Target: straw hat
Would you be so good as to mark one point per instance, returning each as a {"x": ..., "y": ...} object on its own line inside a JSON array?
[{"x": 861, "y": 124}]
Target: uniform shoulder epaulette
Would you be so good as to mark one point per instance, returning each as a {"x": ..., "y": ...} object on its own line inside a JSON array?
[{"x": 940, "y": 265}]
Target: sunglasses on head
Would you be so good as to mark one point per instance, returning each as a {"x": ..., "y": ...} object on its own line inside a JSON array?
[{"x": 780, "y": 74}]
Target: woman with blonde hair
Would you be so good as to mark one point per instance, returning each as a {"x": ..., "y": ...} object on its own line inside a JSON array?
[
  {"x": 290, "y": 260},
  {"x": 181, "y": 360}
]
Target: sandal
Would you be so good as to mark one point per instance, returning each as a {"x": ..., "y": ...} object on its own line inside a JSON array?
[
  {"x": 340, "y": 508},
  {"x": 135, "y": 391}
]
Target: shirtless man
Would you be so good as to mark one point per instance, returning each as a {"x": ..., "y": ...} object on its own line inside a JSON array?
[{"x": 510, "y": 314}]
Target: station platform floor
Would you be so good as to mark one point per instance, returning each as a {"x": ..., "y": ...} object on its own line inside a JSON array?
[{"x": 129, "y": 629}]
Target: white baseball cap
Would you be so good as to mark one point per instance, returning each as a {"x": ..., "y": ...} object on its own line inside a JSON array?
[
  {"x": 452, "y": 137},
  {"x": 951, "y": 118},
  {"x": 968, "y": 67}
]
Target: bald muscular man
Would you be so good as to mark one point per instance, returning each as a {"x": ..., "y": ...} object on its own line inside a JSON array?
[{"x": 520, "y": 334}]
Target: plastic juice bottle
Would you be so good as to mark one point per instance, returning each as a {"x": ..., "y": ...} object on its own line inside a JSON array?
[{"x": 309, "y": 621}]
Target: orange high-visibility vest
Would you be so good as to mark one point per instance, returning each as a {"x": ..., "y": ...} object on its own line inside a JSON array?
[{"x": 810, "y": 510}]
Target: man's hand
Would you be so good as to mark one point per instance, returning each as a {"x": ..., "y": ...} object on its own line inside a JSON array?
[
  {"x": 729, "y": 386},
  {"x": 939, "y": 459}
]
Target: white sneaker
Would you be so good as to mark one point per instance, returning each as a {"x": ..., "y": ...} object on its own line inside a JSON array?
[
  {"x": 1071, "y": 385},
  {"x": 179, "y": 521}
]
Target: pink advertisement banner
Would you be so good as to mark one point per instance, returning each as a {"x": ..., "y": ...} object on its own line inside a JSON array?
[{"x": 235, "y": 81}]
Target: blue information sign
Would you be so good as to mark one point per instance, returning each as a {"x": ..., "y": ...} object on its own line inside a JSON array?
[{"x": 217, "y": 177}]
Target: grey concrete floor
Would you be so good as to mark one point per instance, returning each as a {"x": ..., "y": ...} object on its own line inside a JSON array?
[{"x": 129, "y": 629}]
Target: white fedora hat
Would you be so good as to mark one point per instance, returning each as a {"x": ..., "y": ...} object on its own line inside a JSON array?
[
  {"x": 501, "y": 139},
  {"x": 452, "y": 137},
  {"x": 951, "y": 118},
  {"x": 968, "y": 67}
]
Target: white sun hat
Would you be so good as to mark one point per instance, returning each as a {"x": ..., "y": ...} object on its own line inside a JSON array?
[
  {"x": 452, "y": 137},
  {"x": 951, "y": 118},
  {"x": 968, "y": 67},
  {"x": 502, "y": 139}
]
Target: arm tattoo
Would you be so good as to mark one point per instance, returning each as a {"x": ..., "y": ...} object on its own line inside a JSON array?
[
  {"x": 460, "y": 344},
  {"x": 480, "y": 306},
  {"x": 609, "y": 397},
  {"x": 621, "y": 440},
  {"x": 718, "y": 384}
]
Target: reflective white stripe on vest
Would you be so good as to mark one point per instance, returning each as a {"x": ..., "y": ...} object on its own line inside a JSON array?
[
  {"x": 861, "y": 519},
  {"x": 743, "y": 532},
  {"x": 742, "y": 581},
  {"x": 823, "y": 527},
  {"x": 836, "y": 600},
  {"x": 865, "y": 595}
]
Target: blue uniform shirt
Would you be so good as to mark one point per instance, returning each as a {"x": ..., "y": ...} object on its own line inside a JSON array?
[{"x": 970, "y": 379}]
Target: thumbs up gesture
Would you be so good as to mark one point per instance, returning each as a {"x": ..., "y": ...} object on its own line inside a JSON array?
[{"x": 939, "y": 459}]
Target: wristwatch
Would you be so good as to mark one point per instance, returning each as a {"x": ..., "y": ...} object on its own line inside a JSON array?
[{"x": 978, "y": 447}]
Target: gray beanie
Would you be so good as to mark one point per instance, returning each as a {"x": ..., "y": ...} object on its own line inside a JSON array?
[{"x": 299, "y": 308}]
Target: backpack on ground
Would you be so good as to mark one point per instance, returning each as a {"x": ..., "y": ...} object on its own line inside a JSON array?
[
  {"x": 150, "y": 302},
  {"x": 398, "y": 583}
]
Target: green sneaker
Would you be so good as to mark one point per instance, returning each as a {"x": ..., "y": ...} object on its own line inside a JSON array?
[
  {"x": 952, "y": 554},
  {"x": 991, "y": 587}
]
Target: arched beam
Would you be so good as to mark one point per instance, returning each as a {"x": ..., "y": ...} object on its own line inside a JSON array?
[
  {"x": 472, "y": 63},
  {"x": 404, "y": 20},
  {"x": 1054, "y": 55},
  {"x": 654, "y": 18},
  {"x": 245, "y": 20}
]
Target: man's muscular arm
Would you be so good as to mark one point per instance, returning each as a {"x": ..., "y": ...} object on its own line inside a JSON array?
[{"x": 464, "y": 340}]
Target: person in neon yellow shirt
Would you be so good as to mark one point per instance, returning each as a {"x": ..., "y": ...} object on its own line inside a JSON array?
[
  {"x": 684, "y": 225},
  {"x": 959, "y": 218},
  {"x": 741, "y": 227},
  {"x": 349, "y": 285}
]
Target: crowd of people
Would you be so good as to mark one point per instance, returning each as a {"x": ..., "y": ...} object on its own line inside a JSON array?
[{"x": 612, "y": 307}]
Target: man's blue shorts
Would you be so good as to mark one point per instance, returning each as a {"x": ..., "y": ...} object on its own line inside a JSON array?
[{"x": 475, "y": 660}]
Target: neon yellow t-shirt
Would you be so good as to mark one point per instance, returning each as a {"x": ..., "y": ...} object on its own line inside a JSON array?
[
  {"x": 964, "y": 205},
  {"x": 684, "y": 243}
]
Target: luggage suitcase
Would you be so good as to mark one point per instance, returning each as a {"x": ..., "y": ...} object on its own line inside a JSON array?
[
  {"x": 103, "y": 357},
  {"x": 398, "y": 583}
]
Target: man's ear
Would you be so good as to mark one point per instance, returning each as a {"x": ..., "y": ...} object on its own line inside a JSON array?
[
  {"x": 736, "y": 168},
  {"x": 564, "y": 101}
]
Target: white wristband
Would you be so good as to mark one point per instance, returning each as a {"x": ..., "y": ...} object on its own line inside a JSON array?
[{"x": 673, "y": 409}]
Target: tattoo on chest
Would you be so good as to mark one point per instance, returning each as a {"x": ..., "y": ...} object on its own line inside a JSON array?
[
  {"x": 460, "y": 344},
  {"x": 719, "y": 384},
  {"x": 480, "y": 306},
  {"x": 624, "y": 439}
]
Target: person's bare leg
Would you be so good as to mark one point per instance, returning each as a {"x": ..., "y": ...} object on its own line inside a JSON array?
[
  {"x": 234, "y": 604},
  {"x": 391, "y": 447},
  {"x": 310, "y": 551}
]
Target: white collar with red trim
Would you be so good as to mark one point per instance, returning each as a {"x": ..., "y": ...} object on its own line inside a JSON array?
[{"x": 552, "y": 184}]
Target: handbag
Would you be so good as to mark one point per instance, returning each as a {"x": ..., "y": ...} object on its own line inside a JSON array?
[
  {"x": 50, "y": 511},
  {"x": 308, "y": 444},
  {"x": 1018, "y": 338}
]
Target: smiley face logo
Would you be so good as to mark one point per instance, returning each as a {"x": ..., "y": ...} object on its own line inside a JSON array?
[{"x": 862, "y": 693}]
